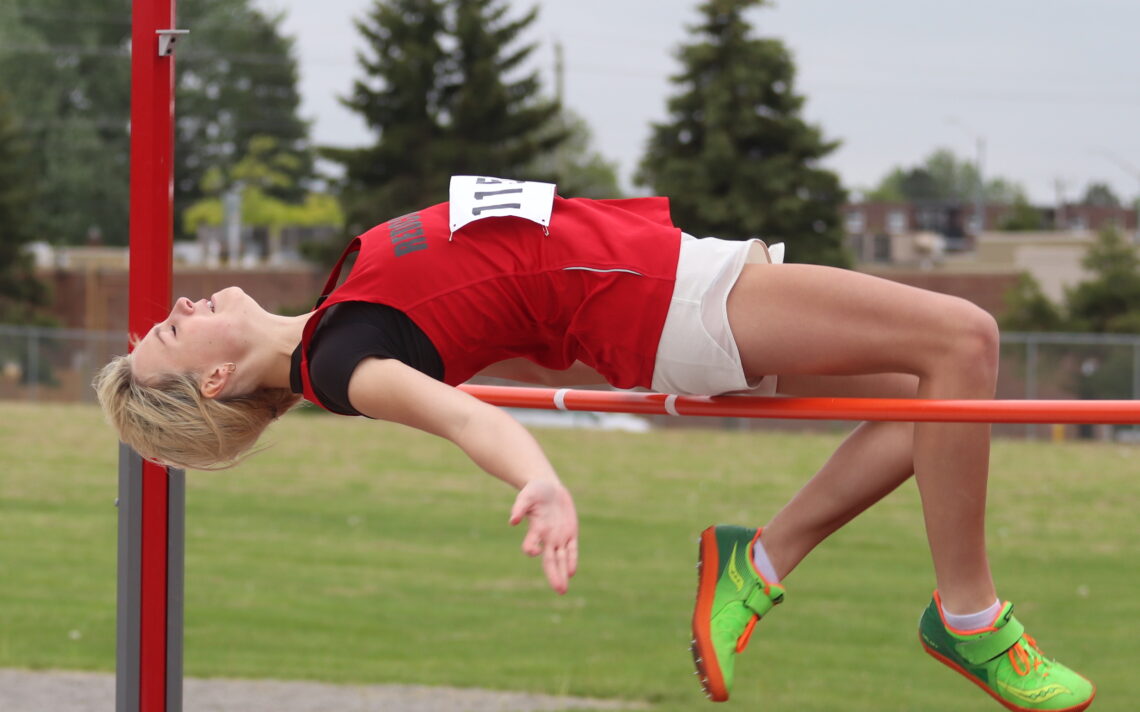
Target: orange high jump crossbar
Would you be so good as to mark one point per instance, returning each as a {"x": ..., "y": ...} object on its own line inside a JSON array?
[{"x": 896, "y": 409}]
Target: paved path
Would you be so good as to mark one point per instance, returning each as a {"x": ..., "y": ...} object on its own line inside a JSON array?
[{"x": 34, "y": 691}]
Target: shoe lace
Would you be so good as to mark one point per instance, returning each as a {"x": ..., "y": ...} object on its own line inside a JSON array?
[{"x": 1027, "y": 658}]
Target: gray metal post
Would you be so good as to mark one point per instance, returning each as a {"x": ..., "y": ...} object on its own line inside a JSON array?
[
  {"x": 1030, "y": 379},
  {"x": 231, "y": 220},
  {"x": 128, "y": 634},
  {"x": 980, "y": 193},
  {"x": 130, "y": 580},
  {"x": 1136, "y": 366},
  {"x": 175, "y": 580},
  {"x": 1136, "y": 371},
  {"x": 33, "y": 374}
]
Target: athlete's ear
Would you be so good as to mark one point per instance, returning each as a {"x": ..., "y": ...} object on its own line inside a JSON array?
[{"x": 215, "y": 381}]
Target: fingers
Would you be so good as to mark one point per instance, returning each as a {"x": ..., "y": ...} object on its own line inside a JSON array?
[
  {"x": 555, "y": 570},
  {"x": 559, "y": 555},
  {"x": 519, "y": 510},
  {"x": 552, "y": 531},
  {"x": 559, "y": 563},
  {"x": 572, "y": 557},
  {"x": 532, "y": 542}
]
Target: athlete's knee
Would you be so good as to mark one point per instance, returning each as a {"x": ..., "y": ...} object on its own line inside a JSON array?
[{"x": 973, "y": 343}]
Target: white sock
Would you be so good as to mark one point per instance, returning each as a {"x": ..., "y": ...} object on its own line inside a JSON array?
[
  {"x": 763, "y": 563},
  {"x": 972, "y": 621}
]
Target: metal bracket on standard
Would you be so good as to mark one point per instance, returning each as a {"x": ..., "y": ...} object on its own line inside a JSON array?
[{"x": 166, "y": 40}]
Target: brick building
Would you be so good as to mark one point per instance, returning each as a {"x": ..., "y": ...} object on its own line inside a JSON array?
[
  {"x": 911, "y": 232},
  {"x": 940, "y": 245},
  {"x": 96, "y": 299}
]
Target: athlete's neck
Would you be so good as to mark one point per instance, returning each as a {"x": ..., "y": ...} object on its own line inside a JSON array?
[{"x": 279, "y": 338}]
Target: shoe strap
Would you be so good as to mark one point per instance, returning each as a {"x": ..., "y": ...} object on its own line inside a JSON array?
[
  {"x": 760, "y": 603},
  {"x": 987, "y": 646}
]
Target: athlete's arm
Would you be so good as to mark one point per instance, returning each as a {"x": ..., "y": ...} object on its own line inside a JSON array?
[
  {"x": 527, "y": 371},
  {"x": 390, "y": 390}
]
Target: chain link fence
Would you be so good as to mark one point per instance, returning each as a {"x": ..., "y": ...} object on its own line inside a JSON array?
[
  {"x": 1072, "y": 366},
  {"x": 57, "y": 365}
]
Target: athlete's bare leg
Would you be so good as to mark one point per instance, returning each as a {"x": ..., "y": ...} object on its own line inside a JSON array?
[
  {"x": 809, "y": 320},
  {"x": 870, "y": 463}
]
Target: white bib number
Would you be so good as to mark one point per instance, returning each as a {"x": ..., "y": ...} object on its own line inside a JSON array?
[{"x": 476, "y": 197}]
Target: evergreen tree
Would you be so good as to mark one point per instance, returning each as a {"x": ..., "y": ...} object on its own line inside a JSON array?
[
  {"x": 1027, "y": 308},
  {"x": 736, "y": 158},
  {"x": 1100, "y": 194},
  {"x": 21, "y": 294},
  {"x": 576, "y": 167},
  {"x": 1110, "y": 302},
  {"x": 401, "y": 101},
  {"x": 440, "y": 93},
  {"x": 497, "y": 126},
  {"x": 1107, "y": 302}
]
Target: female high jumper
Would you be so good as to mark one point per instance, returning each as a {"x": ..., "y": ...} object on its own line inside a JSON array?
[{"x": 506, "y": 279}]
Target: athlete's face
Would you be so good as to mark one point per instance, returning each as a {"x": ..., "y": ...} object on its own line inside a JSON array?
[{"x": 197, "y": 337}]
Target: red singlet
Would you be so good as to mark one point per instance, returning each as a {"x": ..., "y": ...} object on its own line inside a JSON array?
[{"x": 595, "y": 289}]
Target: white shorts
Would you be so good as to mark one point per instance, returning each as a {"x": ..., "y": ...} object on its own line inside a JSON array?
[{"x": 697, "y": 354}]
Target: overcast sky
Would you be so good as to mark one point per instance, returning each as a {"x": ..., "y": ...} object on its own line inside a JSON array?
[{"x": 1052, "y": 86}]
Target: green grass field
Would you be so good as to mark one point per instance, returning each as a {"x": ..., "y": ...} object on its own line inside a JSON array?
[{"x": 354, "y": 551}]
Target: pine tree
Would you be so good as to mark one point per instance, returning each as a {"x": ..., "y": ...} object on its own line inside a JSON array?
[
  {"x": 1107, "y": 302},
  {"x": 1028, "y": 308},
  {"x": 21, "y": 293},
  {"x": 1110, "y": 301},
  {"x": 441, "y": 96},
  {"x": 497, "y": 126},
  {"x": 736, "y": 158},
  {"x": 400, "y": 100},
  {"x": 577, "y": 168}
]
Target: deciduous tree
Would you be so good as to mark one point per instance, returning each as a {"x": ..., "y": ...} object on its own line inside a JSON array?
[
  {"x": 21, "y": 293},
  {"x": 943, "y": 176},
  {"x": 67, "y": 68}
]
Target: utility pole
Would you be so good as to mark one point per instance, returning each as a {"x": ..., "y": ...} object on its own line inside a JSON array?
[
  {"x": 1131, "y": 170},
  {"x": 980, "y": 188},
  {"x": 1060, "y": 219},
  {"x": 231, "y": 220},
  {"x": 559, "y": 72}
]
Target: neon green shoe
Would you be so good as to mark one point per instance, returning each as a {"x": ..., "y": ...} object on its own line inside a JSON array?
[
  {"x": 731, "y": 598},
  {"x": 1005, "y": 662}
]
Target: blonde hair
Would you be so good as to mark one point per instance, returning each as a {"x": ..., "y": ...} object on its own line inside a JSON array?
[{"x": 172, "y": 423}]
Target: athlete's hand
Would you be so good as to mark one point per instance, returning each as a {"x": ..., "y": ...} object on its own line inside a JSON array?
[{"x": 552, "y": 530}]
